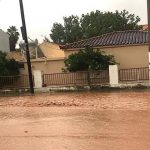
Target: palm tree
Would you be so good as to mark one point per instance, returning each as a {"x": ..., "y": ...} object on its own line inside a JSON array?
[{"x": 14, "y": 37}]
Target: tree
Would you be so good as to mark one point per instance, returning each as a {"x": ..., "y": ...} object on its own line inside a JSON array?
[
  {"x": 89, "y": 59},
  {"x": 98, "y": 23},
  {"x": 8, "y": 67},
  {"x": 70, "y": 32},
  {"x": 72, "y": 28},
  {"x": 58, "y": 33},
  {"x": 14, "y": 37},
  {"x": 92, "y": 24}
]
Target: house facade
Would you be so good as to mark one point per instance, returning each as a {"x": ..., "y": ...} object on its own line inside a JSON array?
[
  {"x": 130, "y": 48},
  {"x": 4, "y": 41},
  {"x": 46, "y": 57}
]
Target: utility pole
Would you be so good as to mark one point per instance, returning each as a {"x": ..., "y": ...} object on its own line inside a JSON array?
[{"x": 24, "y": 35}]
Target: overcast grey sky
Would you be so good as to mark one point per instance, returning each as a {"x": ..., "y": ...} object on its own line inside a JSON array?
[{"x": 41, "y": 14}]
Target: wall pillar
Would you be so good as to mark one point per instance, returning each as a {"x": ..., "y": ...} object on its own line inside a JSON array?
[
  {"x": 37, "y": 78},
  {"x": 113, "y": 75}
]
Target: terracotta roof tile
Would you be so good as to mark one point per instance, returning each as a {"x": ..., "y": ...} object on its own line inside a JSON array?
[
  {"x": 51, "y": 50},
  {"x": 15, "y": 55},
  {"x": 112, "y": 39}
]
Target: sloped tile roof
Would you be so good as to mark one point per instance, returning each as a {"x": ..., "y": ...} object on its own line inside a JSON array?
[
  {"x": 51, "y": 50},
  {"x": 117, "y": 38},
  {"x": 15, "y": 55}
]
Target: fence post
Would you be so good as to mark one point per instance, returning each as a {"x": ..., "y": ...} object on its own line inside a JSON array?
[
  {"x": 37, "y": 78},
  {"x": 88, "y": 78},
  {"x": 113, "y": 75}
]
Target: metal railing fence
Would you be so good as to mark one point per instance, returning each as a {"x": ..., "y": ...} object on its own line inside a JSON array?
[
  {"x": 134, "y": 74},
  {"x": 76, "y": 78}
]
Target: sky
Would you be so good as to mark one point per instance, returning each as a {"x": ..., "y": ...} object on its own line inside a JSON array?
[{"x": 41, "y": 14}]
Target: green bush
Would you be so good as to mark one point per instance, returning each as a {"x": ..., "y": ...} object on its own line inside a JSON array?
[
  {"x": 8, "y": 67},
  {"x": 89, "y": 59}
]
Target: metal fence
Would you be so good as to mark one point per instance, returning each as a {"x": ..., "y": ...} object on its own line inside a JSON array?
[
  {"x": 76, "y": 78},
  {"x": 21, "y": 81},
  {"x": 99, "y": 77},
  {"x": 134, "y": 74}
]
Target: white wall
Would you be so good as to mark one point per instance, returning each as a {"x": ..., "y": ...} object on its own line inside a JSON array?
[
  {"x": 113, "y": 75},
  {"x": 38, "y": 78},
  {"x": 4, "y": 41}
]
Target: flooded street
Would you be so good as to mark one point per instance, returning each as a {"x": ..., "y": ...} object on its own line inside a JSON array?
[{"x": 76, "y": 121}]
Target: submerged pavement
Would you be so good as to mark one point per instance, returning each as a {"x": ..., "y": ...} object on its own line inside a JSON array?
[{"x": 123, "y": 125}]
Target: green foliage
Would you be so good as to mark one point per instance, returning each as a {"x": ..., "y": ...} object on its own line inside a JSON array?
[
  {"x": 8, "y": 67},
  {"x": 57, "y": 33},
  {"x": 98, "y": 23},
  {"x": 89, "y": 59},
  {"x": 72, "y": 29},
  {"x": 14, "y": 37},
  {"x": 92, "y": 24}
]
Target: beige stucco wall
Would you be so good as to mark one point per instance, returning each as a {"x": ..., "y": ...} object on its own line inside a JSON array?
[
  {"x": 4, "y": 41},
  {"x": 127, "y": 56},
  {"x": 46, "y": 66}
]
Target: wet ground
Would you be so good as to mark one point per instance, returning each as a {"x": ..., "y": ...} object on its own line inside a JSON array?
[{"x": 76, "y": 121}]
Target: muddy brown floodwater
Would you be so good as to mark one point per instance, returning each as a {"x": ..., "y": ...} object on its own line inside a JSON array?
[{"x": 76, "y": 121}]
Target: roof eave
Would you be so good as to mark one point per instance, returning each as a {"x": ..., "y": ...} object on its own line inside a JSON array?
[{"x": 102, "y": 47}]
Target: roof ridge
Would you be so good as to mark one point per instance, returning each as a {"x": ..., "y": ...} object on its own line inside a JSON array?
[
  {"x": 105, "y": 35},
  {"x": 104, "y": 39}
]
